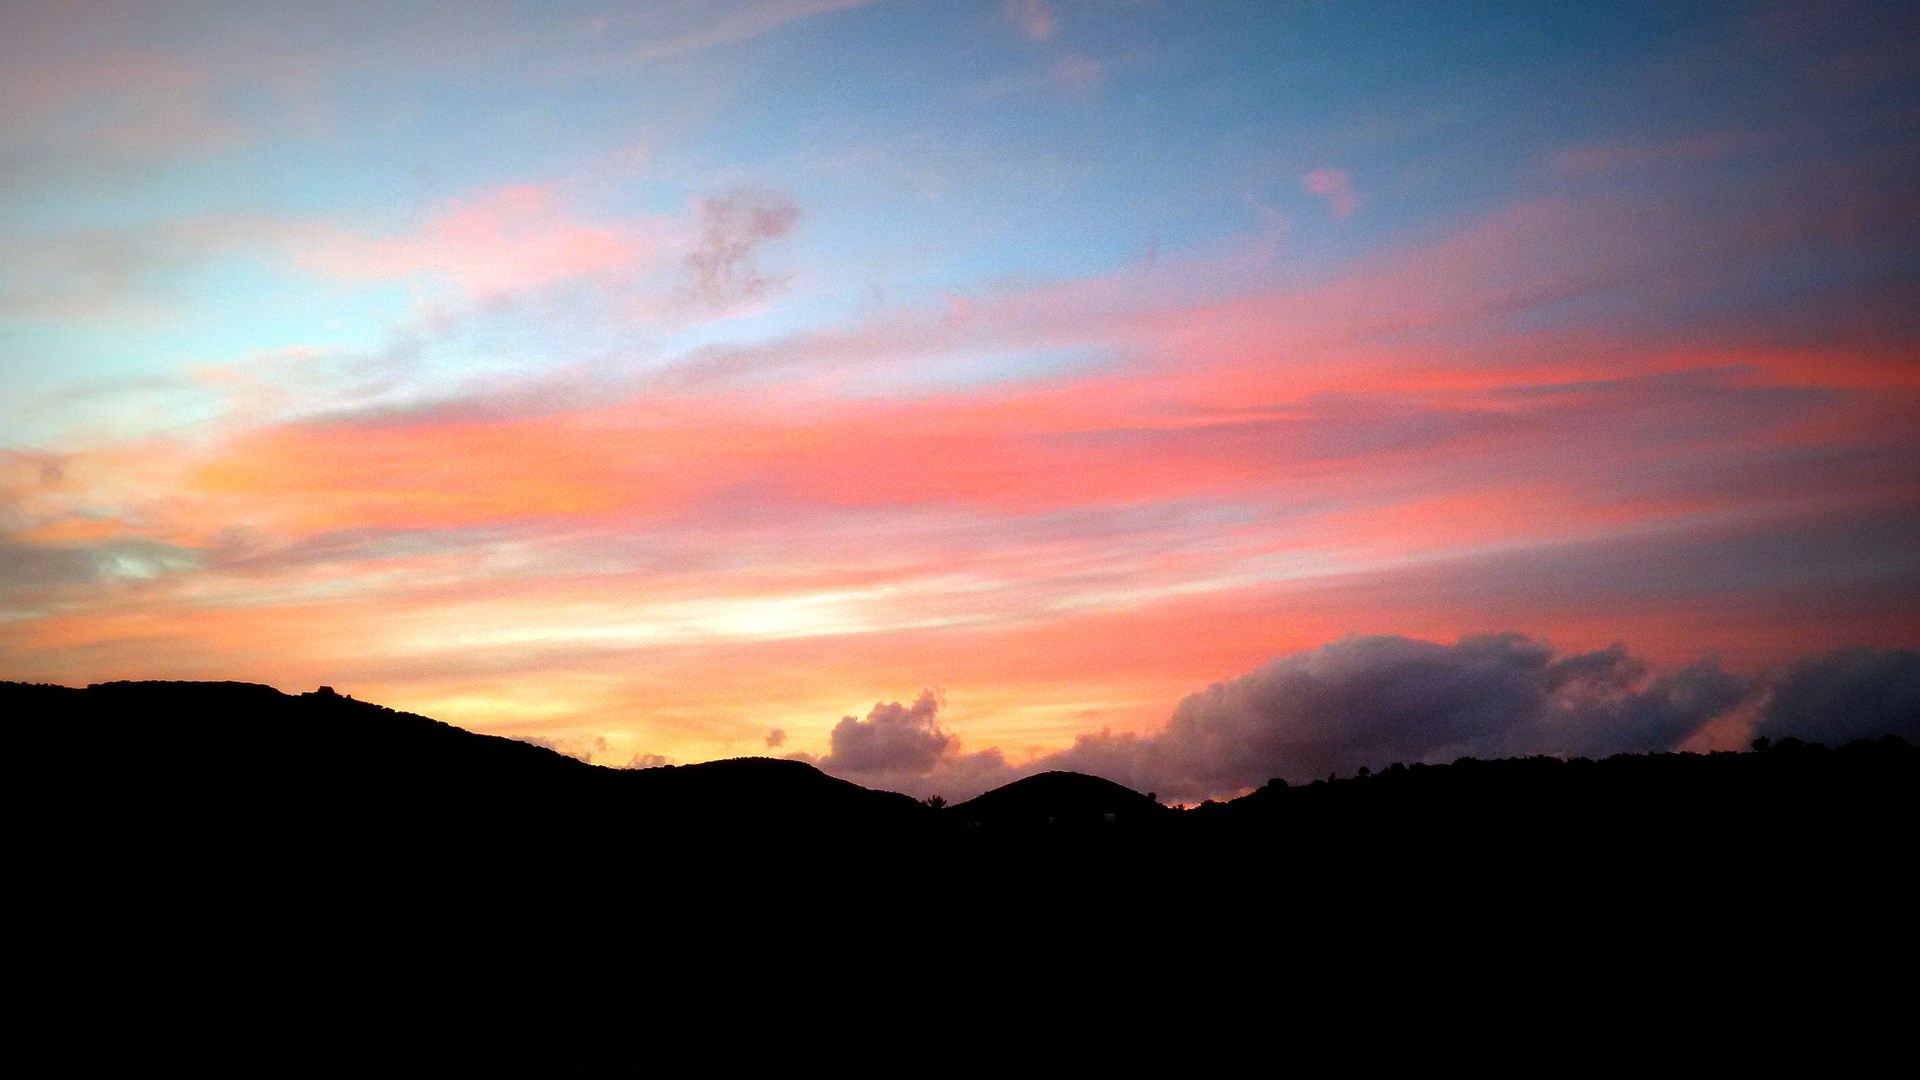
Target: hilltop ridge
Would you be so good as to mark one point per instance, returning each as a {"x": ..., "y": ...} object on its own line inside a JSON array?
[{"x": 278, "y": 842}]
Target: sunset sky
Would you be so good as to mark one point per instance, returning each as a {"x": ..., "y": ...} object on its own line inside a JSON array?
[{"x": 1189, "y": 392}]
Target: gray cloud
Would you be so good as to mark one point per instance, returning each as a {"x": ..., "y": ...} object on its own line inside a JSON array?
[
  {"x": 776, "y": 737},
  {"x": 1835, "y": 564},
  {"x": 1846, "y": 695},
  {"x": 893, "y": 737},
  {"x": 734, "y": 227},
  {"x": 30, "y": 568},
  {"x": 903, "y": 748},
  {"x": 72, "y": 275},
  {"x": 1371, "y": 701},
  {"x": 1375, "y": 700}
]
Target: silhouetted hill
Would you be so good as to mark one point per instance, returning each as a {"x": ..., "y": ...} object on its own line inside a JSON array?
[
  {"x": 1057, "y": 798},
  {"x": 221, "y": 868},
  {"x": 251, "y": 755},
  {"x": 769, "y": 793},
  {"x": 225, "y": 761},
  {"x": 233, "y": 759},
  {"x": 1655, "y": 802}
]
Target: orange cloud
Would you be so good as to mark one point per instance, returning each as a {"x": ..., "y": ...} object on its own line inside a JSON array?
[{"x": 778, "y": 535}]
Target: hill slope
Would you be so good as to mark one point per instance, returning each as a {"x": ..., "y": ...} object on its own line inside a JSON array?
[{"x": 224, "y": 873}]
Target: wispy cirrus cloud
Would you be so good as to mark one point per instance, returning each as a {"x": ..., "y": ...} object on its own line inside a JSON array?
[
  {"x": 1594, "y": 159},
  {"x": 1510, "y": 422},
  {"x": 697, "y": 28}
]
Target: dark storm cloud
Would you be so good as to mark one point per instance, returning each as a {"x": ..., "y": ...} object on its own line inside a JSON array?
[
  {"x": 1375, "y": 700},
  {"x": 734, "y": 227},
  {"x": 1846, "y": 695}
]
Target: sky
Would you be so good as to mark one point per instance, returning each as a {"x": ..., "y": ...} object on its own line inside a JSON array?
[{"x": 1192, "y": 393}]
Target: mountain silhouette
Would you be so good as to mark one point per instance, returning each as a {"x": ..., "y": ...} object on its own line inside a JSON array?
[
  {"x": 214, "y": 761},
  {"x": 242, "y": 878},
  {"x": 182, "y": 743},
  {"x": 767, "y": 793},
  {"x": 1057, "y": 798}
]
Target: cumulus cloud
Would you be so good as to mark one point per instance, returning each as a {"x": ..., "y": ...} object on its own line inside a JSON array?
[
  {"x": 648, "y": 761},
  {"x": 1336, "y": 185},
  {"x": 1364, "y": 701},
  {"x": 903, "y": 748},
  {"x": 893, "y": 737},
  {"x": 1846, "y": 695},
  {"x": 734, "y": 227},
  {"x": 776, "y": 737},
  {"x": 1375, "y": 700}
]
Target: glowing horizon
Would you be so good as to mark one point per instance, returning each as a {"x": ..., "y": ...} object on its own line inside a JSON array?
[{"x": 690, "y": 381}]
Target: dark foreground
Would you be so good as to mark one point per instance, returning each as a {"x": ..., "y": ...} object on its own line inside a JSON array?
[{"x": 225, "y": 877}]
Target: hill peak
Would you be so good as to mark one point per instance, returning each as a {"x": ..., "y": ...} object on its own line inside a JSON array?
[{"x": 1057, "y": 797}]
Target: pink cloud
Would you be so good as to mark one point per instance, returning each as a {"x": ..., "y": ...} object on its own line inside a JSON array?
[
  {"x": 1078, "y": 73},
  {"x": 1337, "y": 187},
  {"x": 1254, "y": 468},
  {"x": 735, "y": 225},
  {"x": 702, "y": 27},
  {"x": 1597, "y": 158},
  {"x": 1071, "y": 73},
  {"x": 1032, "y": 17},
  {"x": 498, "y": 241},
  {"x": 139, "y": 104}
]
